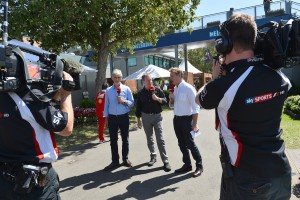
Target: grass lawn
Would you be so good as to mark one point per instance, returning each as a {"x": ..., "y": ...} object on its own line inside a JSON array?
[
  {"x": 87, "y": 132},
  {"x": 291, "y": 132}
]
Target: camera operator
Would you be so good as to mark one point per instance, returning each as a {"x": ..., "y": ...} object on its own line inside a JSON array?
[
  {"x": 248, "y": 99},
  {"x": 27, "y": 142}
]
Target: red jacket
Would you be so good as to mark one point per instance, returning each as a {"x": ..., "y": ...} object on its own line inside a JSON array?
[{"x": 100, "y": 101}]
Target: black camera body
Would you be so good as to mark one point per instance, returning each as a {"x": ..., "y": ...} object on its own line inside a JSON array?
[
  {"x": 279, "y": 43},
  {"x": 10, "y": 69},
  {"x": 44, "y": 73}
]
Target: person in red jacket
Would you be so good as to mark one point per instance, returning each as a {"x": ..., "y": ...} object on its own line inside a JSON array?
[{"x": 100, "y": 101}]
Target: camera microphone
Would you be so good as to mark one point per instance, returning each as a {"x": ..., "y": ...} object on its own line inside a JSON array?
[
  {"x": 152, "y": 89},
  {"x": 171, "y": 89},
  {"x": 118, "y": 90},
  {"x": 74, "y": 69}
]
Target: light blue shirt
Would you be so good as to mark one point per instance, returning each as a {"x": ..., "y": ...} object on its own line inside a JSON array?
[{"x": 112, "y": 106}]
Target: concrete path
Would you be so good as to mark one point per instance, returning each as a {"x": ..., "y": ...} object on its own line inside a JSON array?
[{"x": 82, "y": 176}]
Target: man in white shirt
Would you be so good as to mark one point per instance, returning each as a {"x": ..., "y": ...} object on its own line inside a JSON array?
[{"x": 185, "y": 120}]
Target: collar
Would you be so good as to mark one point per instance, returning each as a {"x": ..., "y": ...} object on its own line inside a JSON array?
[
  {"x": 181, "y": 83},
  {"x": 242, "y": 63}
]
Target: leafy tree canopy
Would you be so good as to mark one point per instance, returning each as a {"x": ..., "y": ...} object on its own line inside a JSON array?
[{"x": 102, "y": 25}]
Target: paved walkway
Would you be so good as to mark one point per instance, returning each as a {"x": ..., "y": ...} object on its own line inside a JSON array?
[{"x": 82, "y": 176}]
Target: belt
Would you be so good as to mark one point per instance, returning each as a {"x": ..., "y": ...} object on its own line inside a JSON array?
[
  {"x": 151, "y": 113},
  {"x": 10, "y": 170},
  {"x": 181, "y": 117},
  {"x": 122, "y": 115}
]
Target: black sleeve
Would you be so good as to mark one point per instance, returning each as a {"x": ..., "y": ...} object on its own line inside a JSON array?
[
  {"x": 212, "y": 94},
  {"x": 138, "y": 109},
  {"x": 47, "y": 115}
]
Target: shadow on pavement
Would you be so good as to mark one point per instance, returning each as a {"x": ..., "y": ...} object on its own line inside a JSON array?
[
  {"x": 77, "y": 150},
  {"x": 140, "y": 190},
  {"x": 152, "y": 187},
  {"x": 296, "y": 190}
]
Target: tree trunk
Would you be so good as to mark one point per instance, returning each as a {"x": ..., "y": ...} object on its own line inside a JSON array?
[{"x": 101, "y": 66}]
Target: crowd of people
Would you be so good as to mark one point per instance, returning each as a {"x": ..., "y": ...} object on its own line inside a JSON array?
[{"x": 246, "y": 94}]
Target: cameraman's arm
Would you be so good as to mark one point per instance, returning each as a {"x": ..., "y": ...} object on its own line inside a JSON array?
[{"x": 66, "y": 106}]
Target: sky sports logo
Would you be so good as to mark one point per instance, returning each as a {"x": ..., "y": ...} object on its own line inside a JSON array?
[{"x": 263, "y": 97}]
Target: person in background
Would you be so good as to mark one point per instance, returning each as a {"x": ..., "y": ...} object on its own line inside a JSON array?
[
  {"x": 148, "y": 107},
  {"x": 100, "y": 101},
  {"x": 118, "y": 102},
  {"x": 248, "y": 100},
  {"x": 185, "y": 120},
  {"x": 267, "y": 6}
]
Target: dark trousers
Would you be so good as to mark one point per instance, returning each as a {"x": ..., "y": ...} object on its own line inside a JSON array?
[
  {"x": 116, "y": 122},
  {"x": 183, "y": 127},
  {"x": 49, "y": 192},
  {"x": 246, "y": 186}
]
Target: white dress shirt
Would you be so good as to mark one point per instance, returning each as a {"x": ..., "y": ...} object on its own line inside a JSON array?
[{"x": 184, "y": 100}]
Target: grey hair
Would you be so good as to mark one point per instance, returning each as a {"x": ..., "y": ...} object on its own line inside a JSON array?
[{"x": 117, "y": 72}]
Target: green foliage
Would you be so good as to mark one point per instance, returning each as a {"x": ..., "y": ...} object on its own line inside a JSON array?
[
  {"x": 290, "y": 132},
  {"x": 274, "y": 13},
  {"x": 197, "y": 58},
  {"x": 134, "y": 94},
  {"x": 87, "y": 103},
  {"x": 292, "y": 103},
  {"x": 102, "y": 25}
]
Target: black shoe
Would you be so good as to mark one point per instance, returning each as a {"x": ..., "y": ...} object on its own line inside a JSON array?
[
  {"x": 197, "y": 172},
  {"x": 151, "y": 162},
  {"x": 184, "y": 169},
  {"x": 112, "y": 166},
  {"x": 167, "y": 167},
  {"x": 127, "y": 163}
]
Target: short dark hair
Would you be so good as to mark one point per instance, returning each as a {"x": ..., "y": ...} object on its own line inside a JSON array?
[
  {"x": 144, "y": 75},
  {"x": 242, "y": 30}
]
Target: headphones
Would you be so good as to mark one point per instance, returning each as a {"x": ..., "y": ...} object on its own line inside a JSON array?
[{"x": 223, "y": 43}]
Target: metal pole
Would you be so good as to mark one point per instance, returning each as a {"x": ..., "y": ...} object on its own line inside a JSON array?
[
  {"x": 185, "y": 57},
  {"x": 176, "y": 56},
  {"x": 5, "y": 23}
]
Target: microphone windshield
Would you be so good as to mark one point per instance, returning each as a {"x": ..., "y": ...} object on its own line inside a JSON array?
[
  {"x": 118, "y": 90},
  {"x": 152, "y": 88},
  {"x": 72, "y": 67},
  {"x": 171, "y": 89}
]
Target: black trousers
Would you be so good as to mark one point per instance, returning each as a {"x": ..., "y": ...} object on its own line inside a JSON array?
[
  {"x": 116, "y": 122},
  {"x": 49, "y": 192},
  {"x": 183, "y": 126}
]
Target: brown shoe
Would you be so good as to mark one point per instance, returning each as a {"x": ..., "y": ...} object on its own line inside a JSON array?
[
  {"x": 127, "y": 163},
  {"x": 197, "y": 172}
]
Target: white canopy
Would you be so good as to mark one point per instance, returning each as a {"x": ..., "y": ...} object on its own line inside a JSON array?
[
  {"x": 190, "y": 67},
  {"x": 154, "y": 71}
]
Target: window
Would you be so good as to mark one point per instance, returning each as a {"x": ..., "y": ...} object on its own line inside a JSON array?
[{"x": 132, "y": 62}]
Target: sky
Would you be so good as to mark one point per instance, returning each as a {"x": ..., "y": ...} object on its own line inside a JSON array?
[{"x": 207, "y": 7}]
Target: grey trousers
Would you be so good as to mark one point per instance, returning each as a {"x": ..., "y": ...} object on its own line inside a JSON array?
[{"x": 150, "y": 122}]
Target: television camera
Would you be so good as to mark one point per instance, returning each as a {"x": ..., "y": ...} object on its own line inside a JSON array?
[{"x": 279, "y": 43}]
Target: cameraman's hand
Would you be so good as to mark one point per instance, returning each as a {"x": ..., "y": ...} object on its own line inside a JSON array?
[
  {"x": 67, "y": 76},
  {"x": 64, "y": 97}
]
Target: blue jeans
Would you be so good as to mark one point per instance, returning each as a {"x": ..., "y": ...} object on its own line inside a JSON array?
[
  {"x": 246, "y": 186},
  {"x": 114, "y": 123}
]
